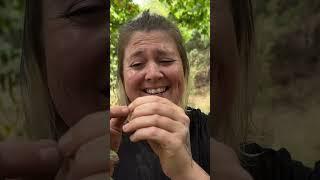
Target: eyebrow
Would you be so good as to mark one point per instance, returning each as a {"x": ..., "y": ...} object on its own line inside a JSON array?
[
  {"x": 137, "y": 53},
  {"x": 163, "y": 52},
  {"x": 160, "y": 52}
]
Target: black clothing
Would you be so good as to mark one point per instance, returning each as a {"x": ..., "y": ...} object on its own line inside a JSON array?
[
  {"x": 138, "y": 162},
  {"x": 268, "y": 164}
]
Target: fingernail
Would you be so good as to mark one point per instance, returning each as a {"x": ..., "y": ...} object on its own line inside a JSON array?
[{"x": 131, "y": 138}]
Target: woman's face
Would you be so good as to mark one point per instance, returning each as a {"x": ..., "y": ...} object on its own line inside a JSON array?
[
  {"x": 152, "y": 66},
  {"x": 75, "y": 42}
]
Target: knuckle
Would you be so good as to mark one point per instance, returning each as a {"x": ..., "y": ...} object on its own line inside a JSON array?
[
  {"x": 156, "y": 120},
  {"x": 153, "y": 131},
  {"x": 185, "y": 120},
  {"x": 155, "y": 108}
]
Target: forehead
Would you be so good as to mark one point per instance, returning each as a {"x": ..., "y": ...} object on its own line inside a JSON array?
[
  {"x": 150, "y": 37},
  {"x": 157, "y": 40}
]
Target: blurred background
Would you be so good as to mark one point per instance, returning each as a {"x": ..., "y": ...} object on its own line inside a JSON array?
[
  {"x": 193, "y": 20},
  {"x": 287, "y": 111},
  {"x": 11, "y": 25}
]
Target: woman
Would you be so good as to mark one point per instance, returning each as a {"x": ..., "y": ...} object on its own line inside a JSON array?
[
  {"x": 64, "y": 79},
  {"x": 233, "y": 90},
  {"x": 153, "y": 75},
  {"x": 64, "y": 85}
]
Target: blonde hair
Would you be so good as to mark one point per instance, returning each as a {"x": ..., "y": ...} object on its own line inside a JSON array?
[
  {"x": 231, "y": 125},
  {"x": 41, "y": 118}
]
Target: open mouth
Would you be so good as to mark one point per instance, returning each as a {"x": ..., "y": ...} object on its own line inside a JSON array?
[{"x": 156, "y": 91}]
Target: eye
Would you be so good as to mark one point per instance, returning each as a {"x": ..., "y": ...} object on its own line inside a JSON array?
[
  {"x": 86, "y": 11},
  {"x": 166, "y": 61},
  {"x": 136, "y": 65}
]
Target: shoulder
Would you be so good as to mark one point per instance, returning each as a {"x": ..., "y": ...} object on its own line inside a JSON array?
[
  {"x": 267, "y": 163},
  {"x": 196, "y": 114},
  {"x": 199, "y": 137},
  {"x": 198, "y": 122}
]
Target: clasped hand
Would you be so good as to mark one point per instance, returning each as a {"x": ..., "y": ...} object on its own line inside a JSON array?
[{"x": 165, "y": 127}]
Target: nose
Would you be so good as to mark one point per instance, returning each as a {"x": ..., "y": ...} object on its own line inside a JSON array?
[{"x": 153, "y": 72}]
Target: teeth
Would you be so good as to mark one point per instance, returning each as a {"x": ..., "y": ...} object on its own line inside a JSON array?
[{"x": 156, "y": 91}]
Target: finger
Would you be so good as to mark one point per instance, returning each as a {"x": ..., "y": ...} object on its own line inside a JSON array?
[
  {"x": 157, "y": 135},
  {"x": 119, "y": 111},
  {"x": 90, "y": 159},
  {"x": 89, "y": 127},
  {"x": 161, "y": 122},
  {"x": 148, "y": 99},
  {"x": 116, "y": 124},
  {"x": 115, "y": 133},
  {"x": 27, "y": 159},
  {"x": 172, "y": 112}
]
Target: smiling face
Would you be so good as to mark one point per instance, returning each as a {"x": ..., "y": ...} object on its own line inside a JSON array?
[
  {"x": 75, "y": 48},
  {"x": 152, "y": 66}
]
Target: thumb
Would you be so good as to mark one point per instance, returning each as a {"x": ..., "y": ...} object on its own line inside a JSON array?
[
  {"x": 119, "y": 111},
  {"x": 27, "y": 159}
]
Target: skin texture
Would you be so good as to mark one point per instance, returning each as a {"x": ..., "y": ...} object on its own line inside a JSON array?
[
  {"x": 151, "y": 60},
  {"x": 75, "y": 41},
  {"x": 75, "y": 49}
]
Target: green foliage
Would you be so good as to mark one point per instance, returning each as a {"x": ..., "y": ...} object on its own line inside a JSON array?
[
  {"x": 11, "y": 18},
  {"x": 191, "y": 16},
  {"x": 11, "y": 25}
]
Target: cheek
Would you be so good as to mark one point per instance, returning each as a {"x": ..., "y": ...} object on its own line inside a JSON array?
[
  {"x": 132, "y": 83},
  {"x": 176, "y": 77},
  {"x": 76, "y": 71}
]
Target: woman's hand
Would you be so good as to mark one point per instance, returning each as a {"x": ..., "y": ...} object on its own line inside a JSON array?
[
  {"x": 165, "y": 126},
  {"x": 86, "y": 145},
  {"x": 84, "y": 148},
  {"x": 118, "y": 115},
  {"x": 35, "y": 160}
]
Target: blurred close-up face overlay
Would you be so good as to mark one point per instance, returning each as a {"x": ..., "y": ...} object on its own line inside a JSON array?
[{"x": 75, "y": 61}]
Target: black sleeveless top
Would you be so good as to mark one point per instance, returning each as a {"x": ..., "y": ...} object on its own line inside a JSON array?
[{"x": 138, "y": 162}]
